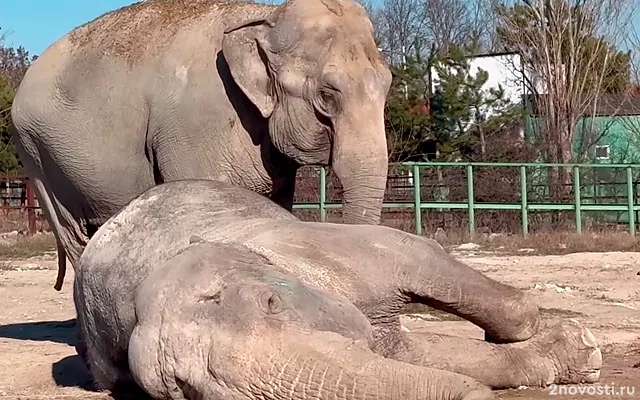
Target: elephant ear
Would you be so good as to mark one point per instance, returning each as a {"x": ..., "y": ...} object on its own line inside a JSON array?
[{"x": 244, "y": 50}]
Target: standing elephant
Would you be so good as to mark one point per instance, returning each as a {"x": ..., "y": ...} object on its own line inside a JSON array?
[
  {"x": 177, "y": 89},
  {"x": 376, "y": 268}
]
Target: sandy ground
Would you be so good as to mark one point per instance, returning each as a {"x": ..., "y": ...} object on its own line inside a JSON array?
[{"x": 601, "y": 290}]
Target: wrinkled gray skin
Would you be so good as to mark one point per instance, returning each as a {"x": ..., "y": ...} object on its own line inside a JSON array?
[
  {"x": 219, "y": 322},
  {"x": 376, "y": 268},
  {"x": 173, "y": 89}
]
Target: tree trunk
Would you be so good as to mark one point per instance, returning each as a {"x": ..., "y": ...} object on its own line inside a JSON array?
[{"x": 563, "y": 177}]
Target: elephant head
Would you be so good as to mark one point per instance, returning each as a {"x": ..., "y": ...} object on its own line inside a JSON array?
[
  {"x": 313, "y": 70},
  {"x": 217, "y": 321}
]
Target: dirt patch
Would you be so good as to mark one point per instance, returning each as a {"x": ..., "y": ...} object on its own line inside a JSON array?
[
  {"x": 15, "y": 245},
  {"x": 601, "y": 290},
  {"x": 551, "y": 243}
]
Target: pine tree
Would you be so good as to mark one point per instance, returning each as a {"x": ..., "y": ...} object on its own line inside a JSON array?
[{"x": 455, "y": 118}]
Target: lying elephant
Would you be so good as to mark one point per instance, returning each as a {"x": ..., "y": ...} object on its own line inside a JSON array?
[
  {"x": 377, "y": 268},
  {"x": 219, "y": 322},
  {"x": 175, "y": 89}
]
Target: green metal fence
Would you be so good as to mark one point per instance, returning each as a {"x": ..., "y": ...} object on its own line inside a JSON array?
[{"x": 524, "y": 206}]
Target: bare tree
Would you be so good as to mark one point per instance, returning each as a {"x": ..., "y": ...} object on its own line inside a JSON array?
[
  {"x": 407, "y": 27},
  {"x": 463, "y": 23},
  {"x": 400, "y": 29},
  {"x": 377, "y": 19},
  {"x": 569, "y": 54}
]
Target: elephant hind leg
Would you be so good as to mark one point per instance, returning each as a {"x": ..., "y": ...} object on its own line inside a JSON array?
[
  {"x": 70, "y": 238},
  {"x": 562, "y": 353}
]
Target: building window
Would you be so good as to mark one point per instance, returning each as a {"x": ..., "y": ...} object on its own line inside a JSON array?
[{"x": 602, "y": 152}]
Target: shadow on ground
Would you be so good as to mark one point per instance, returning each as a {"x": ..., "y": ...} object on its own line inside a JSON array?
[
  {"x": 53, "y": 331},
  {"x": 71, "y": 372}
]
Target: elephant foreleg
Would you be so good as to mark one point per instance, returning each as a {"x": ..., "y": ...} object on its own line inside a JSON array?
[
  {"x": 562, "y": 353},
  {"x": 429, "y": 275}
]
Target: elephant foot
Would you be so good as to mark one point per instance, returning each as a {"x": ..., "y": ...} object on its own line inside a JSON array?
[
  {"x": 569, "y": 351},
  {"x": 561, "y": 353},
  {"x": 518, "y": 316}
]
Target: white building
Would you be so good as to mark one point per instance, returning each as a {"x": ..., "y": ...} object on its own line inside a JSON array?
[{"x": 504, "y": 69}]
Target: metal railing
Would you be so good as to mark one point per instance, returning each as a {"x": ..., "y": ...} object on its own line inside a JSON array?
[
  {"x": 17, "y": 194},
  {"x": 578, "y": 206}
]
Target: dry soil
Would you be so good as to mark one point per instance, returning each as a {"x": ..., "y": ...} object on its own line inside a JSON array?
[{"x": 601, "y": 290}]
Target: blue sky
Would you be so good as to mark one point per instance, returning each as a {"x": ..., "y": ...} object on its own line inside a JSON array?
[{"x": 35, "y": 24}]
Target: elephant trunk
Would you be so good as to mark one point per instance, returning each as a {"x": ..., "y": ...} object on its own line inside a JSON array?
[
  {"x": 341, "y": 368},
  {"x": 360, "y": 161}
]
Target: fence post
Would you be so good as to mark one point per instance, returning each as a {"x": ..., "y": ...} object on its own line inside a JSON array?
[
  {"x": 630, "y": 202},
  {"x": 417, "y": 209},
  {"x": 470, "y": 204},
  {"x": 31, "y": 206},
  {"x": 323, "y": 194},
  {"x": 576, "y": 197},
  {"x": 523, "y": 200}
]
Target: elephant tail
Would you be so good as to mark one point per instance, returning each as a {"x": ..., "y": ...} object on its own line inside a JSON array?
[{"x": 62, "y": 267}]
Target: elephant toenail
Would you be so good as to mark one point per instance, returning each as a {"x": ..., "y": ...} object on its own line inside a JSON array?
[
  {"x": 592, "y": 377},
  {"x": 588, "y": 338},
  {"x": 595, "y": 360}
]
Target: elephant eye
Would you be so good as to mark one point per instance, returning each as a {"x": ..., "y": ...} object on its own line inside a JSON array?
[
  {"x": 275, "y": 304},
  {"x": 271, "y": 303},
  {"x": 328, "y": 102}
]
